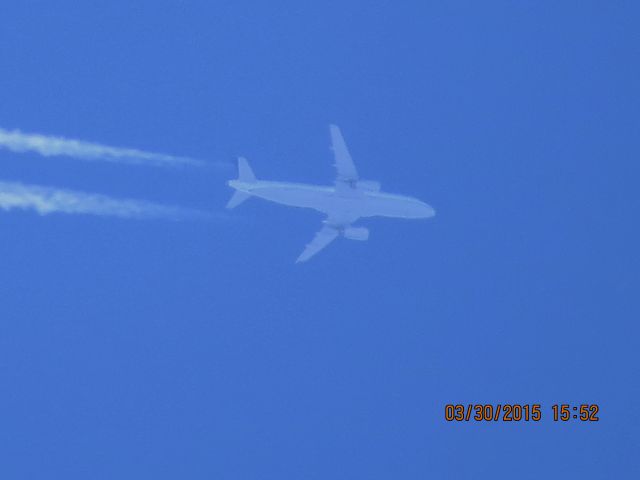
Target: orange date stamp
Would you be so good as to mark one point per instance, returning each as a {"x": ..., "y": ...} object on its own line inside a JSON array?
[{"x": 519, "y": 412}]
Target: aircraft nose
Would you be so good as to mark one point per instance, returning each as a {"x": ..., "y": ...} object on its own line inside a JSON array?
[
  {"x": 421, "y": 210},
  {"x": 418, "y": 209},
  {"x": 427, "y": 210}
]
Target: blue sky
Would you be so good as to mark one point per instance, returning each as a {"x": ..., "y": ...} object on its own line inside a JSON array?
[{"x": 197, "y": 349}]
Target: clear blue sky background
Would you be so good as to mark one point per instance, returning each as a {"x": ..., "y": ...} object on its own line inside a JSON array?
[{"x": 153, "y": 349}]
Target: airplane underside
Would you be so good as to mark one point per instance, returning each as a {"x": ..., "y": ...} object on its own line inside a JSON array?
[{"x": 344, "y": 203}]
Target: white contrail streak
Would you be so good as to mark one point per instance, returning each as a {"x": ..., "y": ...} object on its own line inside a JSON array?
[
  {"x": 49, "y": 146},
  {"x": 45, "y": 200}
]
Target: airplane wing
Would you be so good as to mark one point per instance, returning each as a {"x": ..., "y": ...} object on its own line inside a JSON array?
[
  {"x": 331, "y": 229},
  {"x": 324, "y": 237},
  {"x": 344, "y": 164}
]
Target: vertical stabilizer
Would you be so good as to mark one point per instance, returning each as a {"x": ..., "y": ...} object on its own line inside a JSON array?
[{"x": 245, "y": 174}]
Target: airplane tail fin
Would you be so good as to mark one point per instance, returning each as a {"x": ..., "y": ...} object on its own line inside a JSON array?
[{"x": 245, "y": 174}]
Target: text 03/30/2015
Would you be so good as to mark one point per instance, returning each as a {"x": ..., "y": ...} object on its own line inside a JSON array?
[{"x": 516, "y": 412}]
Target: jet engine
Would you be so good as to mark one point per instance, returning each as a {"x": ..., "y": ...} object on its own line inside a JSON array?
[
  {"x": 369, "y": 185},
  {"x": 356, "y": 233}
]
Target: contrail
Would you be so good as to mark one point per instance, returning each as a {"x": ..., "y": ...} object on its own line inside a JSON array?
[
  {"x": 45, "y": 200},
  {"x": 49, "y": 146}
]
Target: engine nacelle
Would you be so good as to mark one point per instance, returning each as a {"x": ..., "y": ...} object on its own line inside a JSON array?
[
  {"x": 369, "y": 185},
  {"x": 356, "y": 233}
]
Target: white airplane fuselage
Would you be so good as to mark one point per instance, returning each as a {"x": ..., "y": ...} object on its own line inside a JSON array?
[
  {"x": 343, "y": 203},
  {"x": 330, "y": 200}
]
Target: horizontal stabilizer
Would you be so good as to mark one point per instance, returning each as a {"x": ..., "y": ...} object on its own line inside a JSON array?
[{"x": 237, "y": 198}]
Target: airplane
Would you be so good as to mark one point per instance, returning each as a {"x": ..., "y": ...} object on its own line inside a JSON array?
[{"x": 343, "y": 203}]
